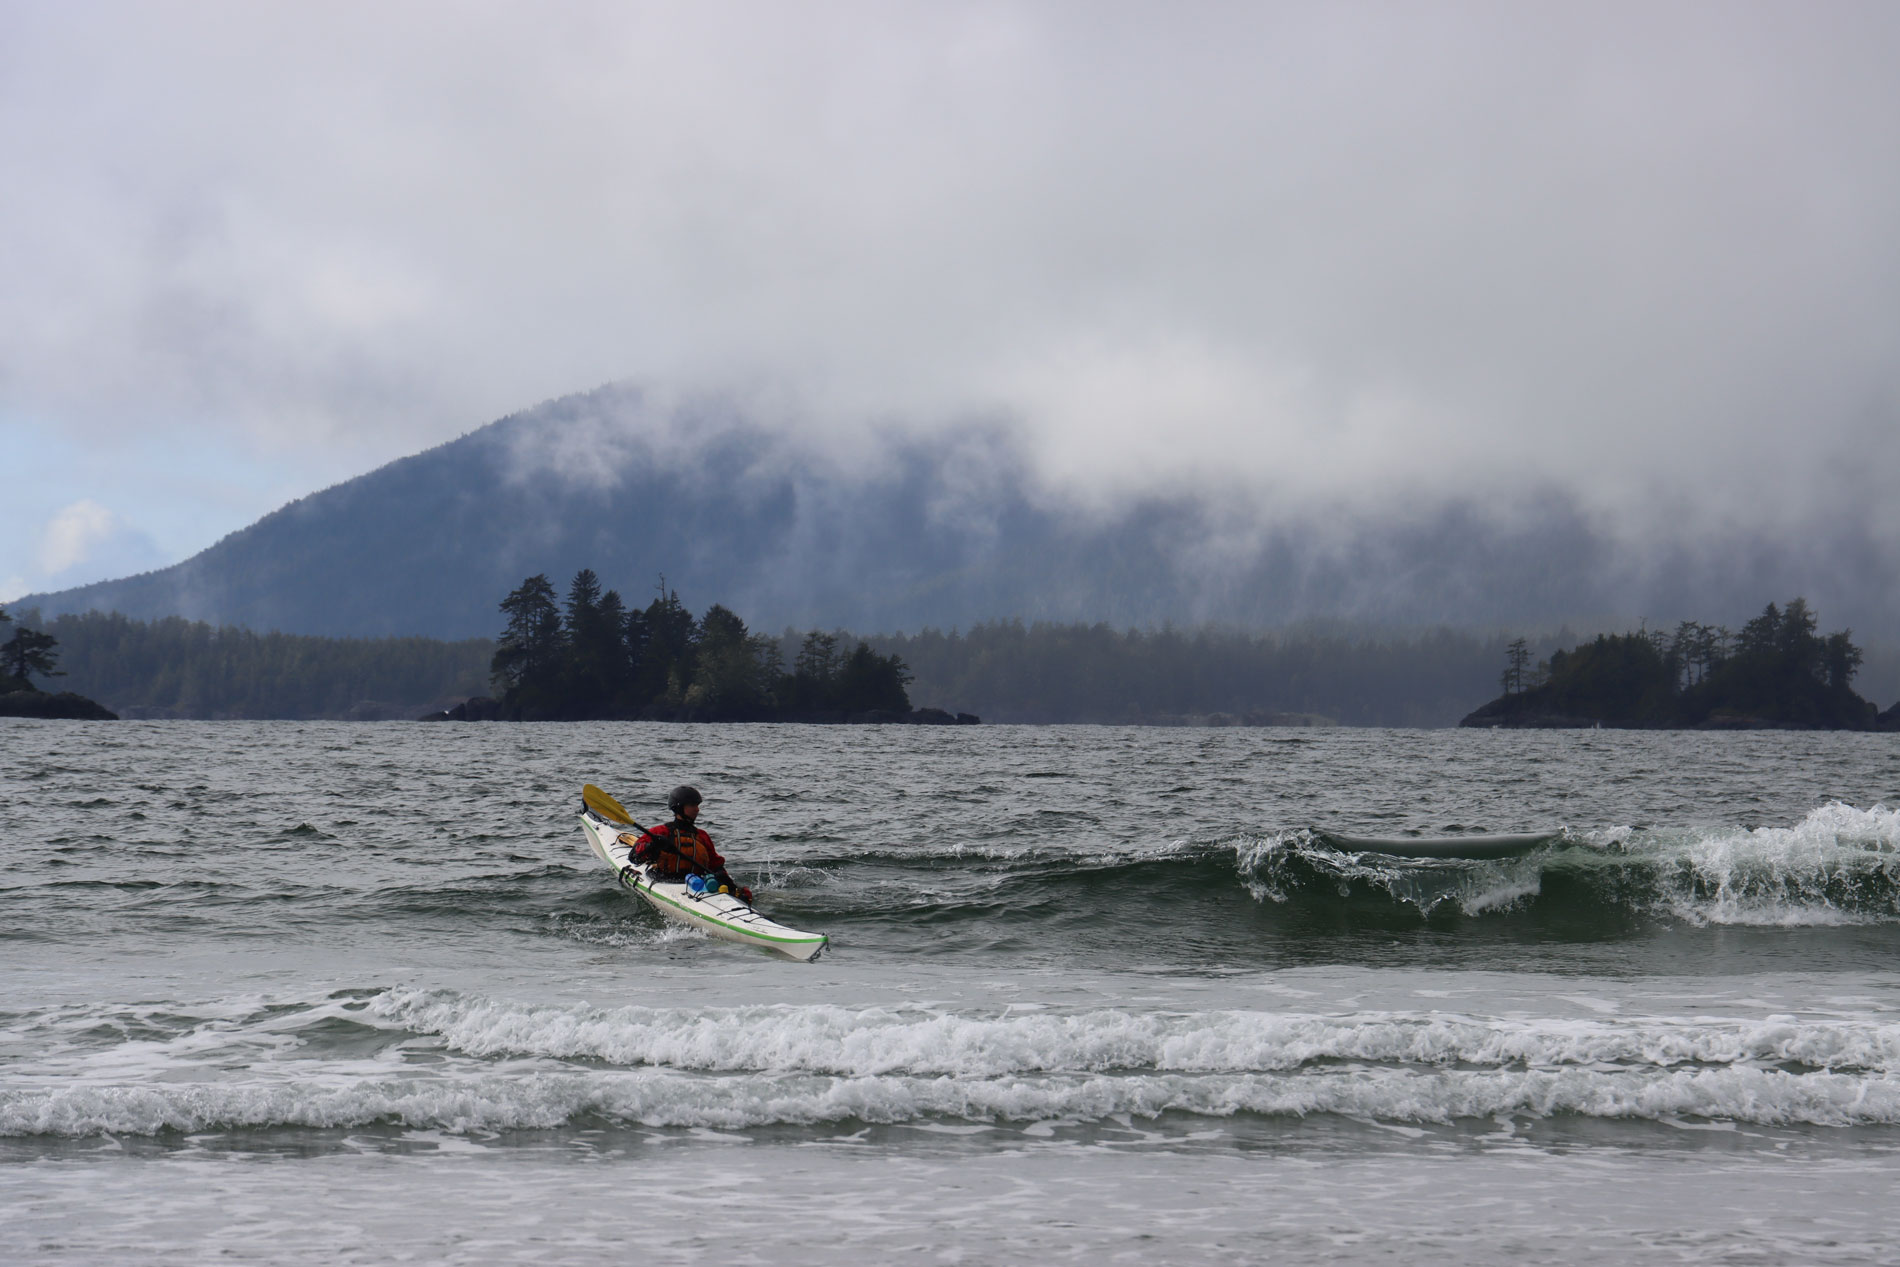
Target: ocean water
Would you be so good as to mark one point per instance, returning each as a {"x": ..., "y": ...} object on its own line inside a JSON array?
[{"x": 332, "y": 993}]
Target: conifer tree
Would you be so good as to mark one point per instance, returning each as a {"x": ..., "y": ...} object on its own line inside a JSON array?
[
  {"x": 28, "y": 651},
  {"x": 529, "y": 656}
]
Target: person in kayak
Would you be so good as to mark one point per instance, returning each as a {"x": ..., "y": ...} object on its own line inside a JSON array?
[{"x": 678, "y": 849}]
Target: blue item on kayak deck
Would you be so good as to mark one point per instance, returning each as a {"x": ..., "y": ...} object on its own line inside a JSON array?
[{"x": 696, "y": 883}]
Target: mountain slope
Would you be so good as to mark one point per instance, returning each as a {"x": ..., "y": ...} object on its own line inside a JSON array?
[{"x": 941, "y": 532}]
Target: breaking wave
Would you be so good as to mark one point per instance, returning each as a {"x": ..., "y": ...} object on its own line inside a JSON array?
[
  {"x": 1839, "y": 865},
  {"x": 496, "y": 1065},
  {"x": 657, "y": 1098}
]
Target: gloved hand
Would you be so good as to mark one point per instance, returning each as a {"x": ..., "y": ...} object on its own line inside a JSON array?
[{"x": 745, "y": 895}]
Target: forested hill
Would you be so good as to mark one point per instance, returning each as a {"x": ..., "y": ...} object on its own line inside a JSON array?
[
  {"x": 907, "y": 534},
  {"x": 1777, "y": 671}
]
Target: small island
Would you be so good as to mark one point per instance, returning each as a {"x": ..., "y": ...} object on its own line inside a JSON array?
[
  {"x": 595, "y": 659},
  {"x": 30, "y": 651},
  {"x": 1778, "y": 673}
]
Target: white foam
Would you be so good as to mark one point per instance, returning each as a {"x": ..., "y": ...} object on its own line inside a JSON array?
[
  {"x": 922, "y": 1041},
  {"x": 866, "y": 1042},
  {"x": 1473, "y": 887},
  {"x": 1840, "y": 865},
  {"x": 657, "y": 1098},
  {"x": 1795, "y": 876}
]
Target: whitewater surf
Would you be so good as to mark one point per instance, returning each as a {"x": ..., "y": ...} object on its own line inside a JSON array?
[{"x": 1106, "y": 985}]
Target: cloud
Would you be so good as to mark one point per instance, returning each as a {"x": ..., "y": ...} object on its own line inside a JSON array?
[
  {"x": 1343, "y": 253},
  {"x": 74, "y": 534},
  {"x": 87, "y": 542}
]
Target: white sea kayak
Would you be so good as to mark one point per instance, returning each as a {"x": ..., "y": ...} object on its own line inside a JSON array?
[{"x": 720, "y": 915}]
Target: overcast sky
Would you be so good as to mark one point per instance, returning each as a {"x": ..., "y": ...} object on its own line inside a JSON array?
[{"x": 1645, "y": 253}]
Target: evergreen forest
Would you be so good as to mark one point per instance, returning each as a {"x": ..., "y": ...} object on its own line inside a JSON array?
[
  {"x": 1777, "y": 671},
  {"x": 187, "y": 669},
  {"x": 592, "y": 656}
]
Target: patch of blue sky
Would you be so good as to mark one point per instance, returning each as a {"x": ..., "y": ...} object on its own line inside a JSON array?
[{"x": 83, "y": 506}]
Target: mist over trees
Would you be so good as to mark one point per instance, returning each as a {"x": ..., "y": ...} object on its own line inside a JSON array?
[
  {"x": 187, "y": 669},
  {"x": 593, "y": 657},
  {"x": 936, "y": 531},
  {"x": 1048, "y": 672},
  {"x": 590, "y": 656},
  {"x": 1007, "y": 671}
]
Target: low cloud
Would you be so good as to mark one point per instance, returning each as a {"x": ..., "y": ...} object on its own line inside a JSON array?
[
  {"x": 74, "y": 534},
  {"x": 87, "y": 542},
  {"x": 1310, "y": 259}
]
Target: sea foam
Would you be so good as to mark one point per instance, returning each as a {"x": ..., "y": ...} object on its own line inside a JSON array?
[
  {"x": 1840, "y": 865},
  {"x": 663, "y": 1098},
  {"x": 871, "y": 1041},
  {"x": 493, "y": 1064}
]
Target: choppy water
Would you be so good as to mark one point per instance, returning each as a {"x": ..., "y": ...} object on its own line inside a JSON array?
[{"x": 289, "y": 992}]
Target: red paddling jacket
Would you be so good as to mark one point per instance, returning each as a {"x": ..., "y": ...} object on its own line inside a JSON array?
[{"x": 676, "y": 850}]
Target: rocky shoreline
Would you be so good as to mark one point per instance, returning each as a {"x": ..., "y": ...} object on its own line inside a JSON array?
[
  {"x": 1498, "y": 716},
  {"x": 65, "y": 706}
]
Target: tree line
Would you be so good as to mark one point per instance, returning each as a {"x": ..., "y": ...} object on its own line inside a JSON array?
[
  {"x": 1777, "y": 670},
  {"x": 592, "y": 656},
  {"x": 188, "y": 669},
  {"x": 599, "y": 658}
]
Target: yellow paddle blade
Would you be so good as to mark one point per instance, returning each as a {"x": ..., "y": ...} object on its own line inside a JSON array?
[{"x": 605, "y": 805}]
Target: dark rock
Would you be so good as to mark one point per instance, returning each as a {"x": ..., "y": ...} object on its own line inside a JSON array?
[
  {"x": 1484, "y": 718},
  {"x": 969, "y": 719},
  {"x": 1889, "y": 720},
  {"x": 1521, "y": 711},
  {"x": 930, "y": 717},
  {"x": 878, "y": 717},
  {"x": 474, "y": 708},
  {"x": 64, "y": 706}
]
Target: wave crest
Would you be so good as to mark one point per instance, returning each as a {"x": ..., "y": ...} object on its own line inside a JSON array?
[{"x": 1839, "y": 865}]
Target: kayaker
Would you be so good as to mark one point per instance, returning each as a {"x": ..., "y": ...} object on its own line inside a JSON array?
[{"x": 678, "y": 849}]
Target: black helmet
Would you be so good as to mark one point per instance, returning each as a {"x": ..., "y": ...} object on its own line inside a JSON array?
[{"x": 681, "y": 796}]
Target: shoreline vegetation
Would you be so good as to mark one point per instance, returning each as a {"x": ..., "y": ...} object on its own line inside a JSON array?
[
  {"x": 174, "y": 669},
  {"x": 1777, "y": 673},
  {"x": 1009, "y": 671},
  {"x": 593, "y": 658},
  {"x": 26, "y": 652}
]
